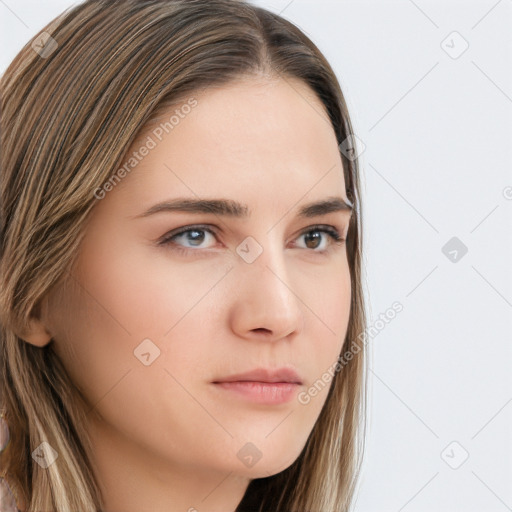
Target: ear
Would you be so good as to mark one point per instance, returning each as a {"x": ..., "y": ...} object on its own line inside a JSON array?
[{"x": 36, "y": 333}]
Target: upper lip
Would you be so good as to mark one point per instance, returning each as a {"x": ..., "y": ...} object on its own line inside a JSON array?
[{"x": 264, "y": 375}]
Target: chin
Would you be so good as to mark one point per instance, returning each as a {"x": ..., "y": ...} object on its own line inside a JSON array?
[
  {"x": 261, "y": 470},
  {"x": 272, "y": 464}
]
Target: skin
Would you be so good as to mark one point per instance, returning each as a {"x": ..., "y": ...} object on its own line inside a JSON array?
[{"x": 164, "y": 437}]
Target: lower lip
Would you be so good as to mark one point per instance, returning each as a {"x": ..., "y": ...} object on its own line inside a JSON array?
[{"x": 267, "y": 393}]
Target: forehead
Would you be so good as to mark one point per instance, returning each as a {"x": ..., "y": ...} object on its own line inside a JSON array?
[{"x": 254, "y": 140}]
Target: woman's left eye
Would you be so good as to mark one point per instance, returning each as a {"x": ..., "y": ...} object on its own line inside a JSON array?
[
  {"x": 195, "y": 235},
  {"x": 312, "y": 237}
]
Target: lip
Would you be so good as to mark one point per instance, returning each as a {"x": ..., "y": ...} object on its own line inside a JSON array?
[
  {"x": 267, "y": 375},
  {"x": 262, "y": 385}
]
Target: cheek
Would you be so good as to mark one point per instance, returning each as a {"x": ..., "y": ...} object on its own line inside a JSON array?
[
  {"x": 327, "y": 307},
  {"x": 145, "y": 289},
  {"x": 334, "y": 303},
  {"x": 93, "y": 345},
  {"x": 330, "y": 313},
  {"x": 118, "y": 303}
]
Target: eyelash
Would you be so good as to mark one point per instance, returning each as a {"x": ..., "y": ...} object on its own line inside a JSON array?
[{"x": 329, "y": 230}]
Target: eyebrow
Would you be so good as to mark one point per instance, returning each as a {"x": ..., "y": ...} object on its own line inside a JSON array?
[{"x": 230, "y": 208}]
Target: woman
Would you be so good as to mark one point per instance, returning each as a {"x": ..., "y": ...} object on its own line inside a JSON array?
[{"x": 181, "y": 297}]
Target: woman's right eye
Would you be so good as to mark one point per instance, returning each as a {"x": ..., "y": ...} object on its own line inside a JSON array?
[{"x": 195, "y": 235}]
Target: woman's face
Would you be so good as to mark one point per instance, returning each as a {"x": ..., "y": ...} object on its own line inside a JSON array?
[{"x": 154, "y": 328}]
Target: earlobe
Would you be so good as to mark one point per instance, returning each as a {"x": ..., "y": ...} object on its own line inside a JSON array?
[{"x": 36, "y": 333}]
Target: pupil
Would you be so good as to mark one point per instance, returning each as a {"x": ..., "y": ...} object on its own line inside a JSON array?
[
  {"x": 196, "y": 239},
  {"x": 312, "y": 237}
]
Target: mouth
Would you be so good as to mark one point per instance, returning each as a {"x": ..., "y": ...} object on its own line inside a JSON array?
[{"x": 262, "y": 386}]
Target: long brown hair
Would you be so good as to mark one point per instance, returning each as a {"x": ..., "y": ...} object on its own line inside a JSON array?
[{"x": 69, "y": 115}]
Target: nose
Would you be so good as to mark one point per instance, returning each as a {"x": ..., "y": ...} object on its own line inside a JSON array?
[{"x": 266, "y": 305}]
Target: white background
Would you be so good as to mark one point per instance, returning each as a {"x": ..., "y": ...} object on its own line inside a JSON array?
[{"x": 437, "y": 164}]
